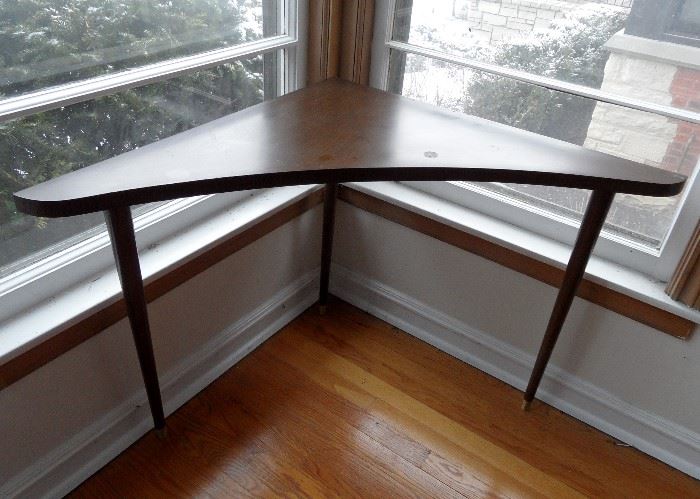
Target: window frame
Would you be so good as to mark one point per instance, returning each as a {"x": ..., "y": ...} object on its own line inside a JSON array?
[
  {"x": 22, "y": 290},
  {"x": 657, "y": 264},
  {"x": 667, "y": 26}
]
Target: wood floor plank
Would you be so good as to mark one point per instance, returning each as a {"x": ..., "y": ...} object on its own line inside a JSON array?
[
  {"x": 324, "y": 365},
  {"x": 345, "y": 405},
  {"x": 551, "y": 441},
  {"x": 401, "y": 439},
  {"x": 280, "y": 459},
  {"x": 304, "y": 412}
]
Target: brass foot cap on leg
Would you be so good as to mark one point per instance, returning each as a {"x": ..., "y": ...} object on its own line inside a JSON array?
[
  {"x": 322, "y": 309},
  {"x": 526, "y": 405},
  {"x": 162, "y": 433}
]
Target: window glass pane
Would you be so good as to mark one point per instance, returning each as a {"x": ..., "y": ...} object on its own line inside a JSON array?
[
  {"x": 570, "y": 40},
  {"x": 690, "y": 12},
  {"x": 686, "y": 20},
  {"x": 631, "y": 134},
  {"x": 48, "y": 144},
  {"x": 49, "y": 42}
]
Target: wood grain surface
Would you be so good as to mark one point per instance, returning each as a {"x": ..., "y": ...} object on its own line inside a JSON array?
[
  {"x": 344, "y": 405},
  {"x": 331, "y": 132}
]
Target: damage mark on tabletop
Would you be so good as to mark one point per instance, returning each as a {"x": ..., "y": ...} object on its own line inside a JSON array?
[{"x": 430, "y": 154}]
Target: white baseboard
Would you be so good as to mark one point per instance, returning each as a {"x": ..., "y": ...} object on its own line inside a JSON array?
[
  {"x": 64, "y": 468},
  {"x": 669, "y": 442}
]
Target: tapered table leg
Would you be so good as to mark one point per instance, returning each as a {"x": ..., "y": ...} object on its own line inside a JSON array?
[
  {"x": 121, "y": 233},
  {"x": 327, "y": 242},
  {"x": 591, "y": 226}
]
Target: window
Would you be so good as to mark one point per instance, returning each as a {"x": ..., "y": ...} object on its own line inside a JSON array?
[
  {"x": 568, "y": 70},
  {"x": 83, "y": 81},
  {"x": 677, "y": 21}
]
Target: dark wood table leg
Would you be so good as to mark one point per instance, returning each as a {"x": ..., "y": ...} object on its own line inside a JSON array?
[
  {"x": 591, "y": 226},
  {"x": 121, "y": 233},
  {"x": 327, "y": 242}
]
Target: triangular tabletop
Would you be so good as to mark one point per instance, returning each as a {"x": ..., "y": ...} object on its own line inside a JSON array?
[{"x": 336, "y": 131}]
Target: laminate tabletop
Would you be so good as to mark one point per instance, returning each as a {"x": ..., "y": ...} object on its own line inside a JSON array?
[{"x": 337, "y": 131}]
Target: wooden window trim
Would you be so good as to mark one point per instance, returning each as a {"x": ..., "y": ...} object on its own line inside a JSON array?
[
  {"x": 684, "y": 286},
  {"x": 323, "y": 40},
  {"x": 73, "y": 335},
  {"x": 340, "y": 40},
  {"x": 589, "y": 290}
]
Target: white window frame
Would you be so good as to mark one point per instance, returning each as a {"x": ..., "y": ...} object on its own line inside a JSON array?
[
  {"x": 24, "y": 290},
  {"x": 659, "y": 264}
]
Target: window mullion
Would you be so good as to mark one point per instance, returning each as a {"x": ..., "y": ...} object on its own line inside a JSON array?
[
  {"x": 550, "y": 83},
  {"x": 80, "y": 91}
]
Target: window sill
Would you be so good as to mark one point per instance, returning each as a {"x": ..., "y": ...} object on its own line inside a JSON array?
[
  {"x": 34, "y": 337},
  {"x": 610, "y": 285}
]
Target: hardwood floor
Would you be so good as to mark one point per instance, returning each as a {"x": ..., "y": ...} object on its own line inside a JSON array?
[{"x": 345, "y": 405}]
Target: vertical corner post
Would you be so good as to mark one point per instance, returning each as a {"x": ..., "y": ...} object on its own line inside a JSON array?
[{"x": 329, "y": 201}]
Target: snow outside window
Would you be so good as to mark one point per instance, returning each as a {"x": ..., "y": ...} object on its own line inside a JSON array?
[
  {"x": 567, "y": 69},
  {"x": 50, "y": 50}
]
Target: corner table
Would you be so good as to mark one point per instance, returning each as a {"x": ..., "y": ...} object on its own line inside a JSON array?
[{"x": 330, "y": 133}]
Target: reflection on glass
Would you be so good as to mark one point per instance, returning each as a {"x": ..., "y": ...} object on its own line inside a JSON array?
[
  {"x": 687, "y": 19},
  {"x": 555, "y": 39},
  {"x": 586, "y": 43},
  {"x": 49, "y": 42},
  {"x": 49, "y": 144},
  {"x": 643, "y": 137}
]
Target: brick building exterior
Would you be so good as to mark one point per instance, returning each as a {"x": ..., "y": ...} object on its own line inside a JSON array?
[
  {"x": 683, "y": 152},
  {"x": 494, "y": 21},
  {"x": 649, "y": 62}
]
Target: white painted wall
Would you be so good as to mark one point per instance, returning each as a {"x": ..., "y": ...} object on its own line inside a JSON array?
[
  {"x": 63, "y": 406},
  {"x": 612, "y": 372}
]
